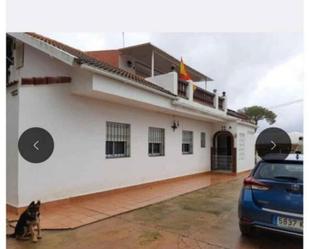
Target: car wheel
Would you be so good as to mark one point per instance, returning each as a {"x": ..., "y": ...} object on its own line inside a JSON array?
[{"x": 245, "y": 230}]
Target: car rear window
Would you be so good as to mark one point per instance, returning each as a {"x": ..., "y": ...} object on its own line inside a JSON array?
[{"x": 279, "y": 171}]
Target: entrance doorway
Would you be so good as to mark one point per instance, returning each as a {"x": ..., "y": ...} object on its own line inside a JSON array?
[{"x": 223, "y": 152}]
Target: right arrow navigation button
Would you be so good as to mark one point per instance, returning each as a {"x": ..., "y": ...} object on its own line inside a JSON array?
[{"x": 273, "y": 144}]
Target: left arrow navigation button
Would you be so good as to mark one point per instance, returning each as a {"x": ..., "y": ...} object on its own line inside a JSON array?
[{"x": 36, "y": 145}]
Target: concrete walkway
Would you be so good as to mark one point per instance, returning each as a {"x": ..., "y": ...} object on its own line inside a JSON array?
[
  {"x": 84, "y": 211},
  {"x": 203, "y": 219}
]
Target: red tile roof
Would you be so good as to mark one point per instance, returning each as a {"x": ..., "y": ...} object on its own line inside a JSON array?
[
  {"x": 108, "y": 56},
  {"x": 83, "y": 58}
]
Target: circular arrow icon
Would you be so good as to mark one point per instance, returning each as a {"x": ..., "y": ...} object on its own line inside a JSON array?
[
  {"x": 36, "y": 145},
  {"x": 273, "y": 144}
]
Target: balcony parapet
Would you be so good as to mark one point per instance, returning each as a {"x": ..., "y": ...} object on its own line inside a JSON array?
[
  {"x": 189, "y": 91},
  {"x": 204, "y": 97},
  {"x": 168, "y": 81}
]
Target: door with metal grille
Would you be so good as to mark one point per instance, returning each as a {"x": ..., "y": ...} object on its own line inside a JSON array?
[{"x": 222, "y": 151}]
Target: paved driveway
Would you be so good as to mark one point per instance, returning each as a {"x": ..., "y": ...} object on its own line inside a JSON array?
[
  {"x": 203, "y": 219},
  {"x": 87, "y": 209}
]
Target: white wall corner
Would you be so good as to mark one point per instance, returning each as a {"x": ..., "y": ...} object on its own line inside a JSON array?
[
  {"x": 175, "y": 83},
  {"x": 216, "y": 101},
  {"x": 190, "y": 91},
  {"x": 225, "y": 104}
]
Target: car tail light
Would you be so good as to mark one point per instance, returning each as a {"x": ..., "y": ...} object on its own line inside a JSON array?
[
  {"x": 245, "y": 220},
  {"x": 252, "y": 183}
]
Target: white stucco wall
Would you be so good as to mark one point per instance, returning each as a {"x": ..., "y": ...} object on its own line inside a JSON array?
[
  {"x": 120, "y": 90},
  {"x": 12, "y": 126},
  {"x": 11, "y": 147},
  {"x": 37, "y": 63},
  {"x": 168, "y": 81},
  {"x": 77, "y": 123},
  {"x": 245, "y": 147},
  {"x": 123, "y": 59},
  {"x": 78, "y": 164}
]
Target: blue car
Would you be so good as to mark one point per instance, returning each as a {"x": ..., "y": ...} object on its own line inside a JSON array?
[{"x": 272, "y": 197}]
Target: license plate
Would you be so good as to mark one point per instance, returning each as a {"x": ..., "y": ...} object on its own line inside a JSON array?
[{"x": 290, "y": 223}]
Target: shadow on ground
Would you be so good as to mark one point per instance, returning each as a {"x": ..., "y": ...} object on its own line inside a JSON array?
[{"x": 203, "y": 219}]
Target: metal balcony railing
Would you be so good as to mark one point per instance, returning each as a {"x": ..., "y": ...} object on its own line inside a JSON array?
[
  {"x": 204, "y": 97},
  {"x": 182, "y": 88}
]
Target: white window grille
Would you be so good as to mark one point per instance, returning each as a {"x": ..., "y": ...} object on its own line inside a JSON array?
[
  {"x": 187, "y": 142},
  {"x": 155, "y": 141},
  {"x": 203, "y": 139},
  {"x": 117, "y": 140}
]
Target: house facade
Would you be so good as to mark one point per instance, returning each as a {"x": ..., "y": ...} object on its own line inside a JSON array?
[{"x": 118, "y": 118}]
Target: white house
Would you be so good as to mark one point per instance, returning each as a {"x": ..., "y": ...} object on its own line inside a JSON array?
[
  {"x": 297, "y": 141},
  {"x": 118, "y": 118}
]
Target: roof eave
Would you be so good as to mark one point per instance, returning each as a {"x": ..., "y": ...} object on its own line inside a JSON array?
[
  {"x": 203, "y": 76},
  {"x": 74, "y": 60},
  {"x": 158, "y": 50},
  {"x": 45, "y": 47}
]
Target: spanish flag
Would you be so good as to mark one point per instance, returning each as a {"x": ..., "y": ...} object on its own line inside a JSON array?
[{"x": 183, "y": 74}]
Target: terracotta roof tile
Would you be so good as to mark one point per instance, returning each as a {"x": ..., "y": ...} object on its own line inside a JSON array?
[{"x": 83, "y": 58}]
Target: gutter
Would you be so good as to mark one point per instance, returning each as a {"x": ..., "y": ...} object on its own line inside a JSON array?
[{"x": 128, "y": 81}]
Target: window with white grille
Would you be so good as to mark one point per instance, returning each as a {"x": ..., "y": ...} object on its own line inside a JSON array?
[
  {"x": 155, "y": 141},
  {"x": 187, "y": 142},
  {"x": 203, "y": 139},
  {"x": 117, "y": 140}
]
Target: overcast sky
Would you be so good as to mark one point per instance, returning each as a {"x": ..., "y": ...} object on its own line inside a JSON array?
[{"x": 253, "y": 68}]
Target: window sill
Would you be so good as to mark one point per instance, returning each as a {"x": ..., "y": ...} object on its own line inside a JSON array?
[
  {"x": 116, "y": 157},
  {"x": 187, "y": 153},
  {"x": 154, "y": 155}
]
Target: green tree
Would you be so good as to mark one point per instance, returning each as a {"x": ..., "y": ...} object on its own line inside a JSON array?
[{"x": 257, "y": 113}]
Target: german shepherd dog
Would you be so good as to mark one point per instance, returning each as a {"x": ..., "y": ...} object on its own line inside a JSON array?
[{"x": 27, "y": 222}]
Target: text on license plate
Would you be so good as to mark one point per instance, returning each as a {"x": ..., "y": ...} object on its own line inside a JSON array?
[{"x": 290, "y": 223}]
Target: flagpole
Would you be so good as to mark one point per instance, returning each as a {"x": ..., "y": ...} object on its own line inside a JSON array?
[{"x": 123, "y": 44}]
